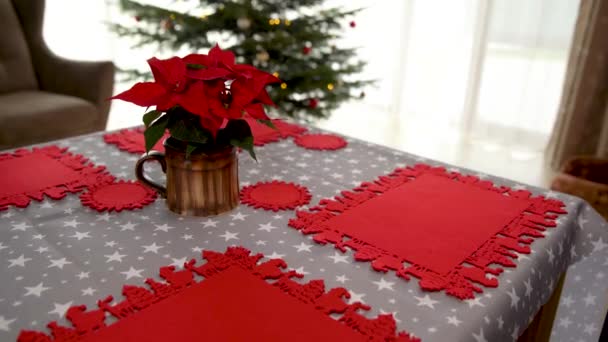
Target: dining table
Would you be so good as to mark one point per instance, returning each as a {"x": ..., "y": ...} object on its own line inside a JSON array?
[{"x": 63, "y": 247}]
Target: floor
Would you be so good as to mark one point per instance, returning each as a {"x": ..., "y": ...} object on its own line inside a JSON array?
[{"x": 426, "y": 139}]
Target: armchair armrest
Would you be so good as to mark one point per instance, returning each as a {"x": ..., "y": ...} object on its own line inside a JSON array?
[{"x": 92, "y": 81}]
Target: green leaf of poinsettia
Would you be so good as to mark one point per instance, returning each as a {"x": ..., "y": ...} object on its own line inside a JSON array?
[
  {"x": 189, "y": 149},
  {"x": 267, "y": 123},
  {"x": 155, "y": 131},
  {"x": 188, "y": 132},
  {"x": 150, "y": 116},
  {"x": 246, "y": 144}
]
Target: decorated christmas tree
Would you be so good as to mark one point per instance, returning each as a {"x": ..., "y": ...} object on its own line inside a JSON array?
[{"x": 293, "y": 39}]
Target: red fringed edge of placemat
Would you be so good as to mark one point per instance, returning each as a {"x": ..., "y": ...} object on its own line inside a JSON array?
[
  {"x": 132, "y": 140},
  {"x": 275, "y": 195},
  {"x": 263, "y": 134},
  {"x": 138, "y": 298},
  {"x": 321, "y": 142},
  {"x": 87, "y": 175},
  {"x": 516, "y": 236},
  {"x": 118, "y": 196}
]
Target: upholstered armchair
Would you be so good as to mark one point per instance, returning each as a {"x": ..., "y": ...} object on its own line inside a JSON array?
[{"x": 43, "y": 96}]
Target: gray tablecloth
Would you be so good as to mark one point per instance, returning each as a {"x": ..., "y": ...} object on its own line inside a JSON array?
[{"x": 58, "y": 253}]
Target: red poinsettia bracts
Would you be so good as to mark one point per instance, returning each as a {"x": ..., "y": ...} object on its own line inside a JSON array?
[{"x": 211, "y": 86}]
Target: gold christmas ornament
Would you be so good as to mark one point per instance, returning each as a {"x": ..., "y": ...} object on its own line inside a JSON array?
[{"x": 262, "y": 56}]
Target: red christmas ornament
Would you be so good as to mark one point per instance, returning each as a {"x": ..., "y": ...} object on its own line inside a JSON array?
[
  {"x": 353, "y": 24},
  {"x": 167, "y": 24},
  {"x": 306, "y": 50},
  {"x": 137, "y": 18},
  {"x": 313, "y": 103}
]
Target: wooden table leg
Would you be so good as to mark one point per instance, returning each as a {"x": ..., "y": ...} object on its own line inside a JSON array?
[{"x": 540, "y": 328}]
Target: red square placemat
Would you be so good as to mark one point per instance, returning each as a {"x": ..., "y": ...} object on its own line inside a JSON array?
[
  {"x": 428, "y": 222},
  {"x": 132, "y": 140},
  {"x": 50, "y": 171},
  {"x": 262, "y": 134},
  {"x": 234, "y": 302}
]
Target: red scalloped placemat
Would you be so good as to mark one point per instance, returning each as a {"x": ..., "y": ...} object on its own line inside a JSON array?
[
  {"x": 118, "y": 196},
  {"x": 275, "y": 195},
  {"x": 132, "y": 140},
  {"x": 433, "y": 221},
  {"x": 263, "y": 134},
  {"x": 321, "y": 141},
  {"x": 52, "y": 171},
  {"x": 239, "y": 299}
]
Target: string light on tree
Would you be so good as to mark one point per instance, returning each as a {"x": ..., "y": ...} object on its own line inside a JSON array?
[
  {"x": 330, "y": 86},
  {"x": 262, "y": 56},
  {"x": 243, "y": 23},
  {"x": 283, "y": 85},
  {"x": 353, "y": 24}
]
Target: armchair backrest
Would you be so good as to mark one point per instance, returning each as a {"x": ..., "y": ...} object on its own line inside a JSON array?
[{"x": 16, "y": 68}]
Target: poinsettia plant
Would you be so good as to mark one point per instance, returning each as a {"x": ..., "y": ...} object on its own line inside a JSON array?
[{"x": 202, "y": 100}]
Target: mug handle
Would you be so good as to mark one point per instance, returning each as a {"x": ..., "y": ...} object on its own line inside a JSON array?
[{"x": 139, "y": 171}]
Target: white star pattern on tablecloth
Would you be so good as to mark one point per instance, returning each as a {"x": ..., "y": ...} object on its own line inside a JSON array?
[
  {"x": 59, "y": 263},
  {"x": 230, "y": 236},
  {"x": 82, "y": 275},
  {"x": 128, "y": 227},
  {"x": 178, "y": 263},
  {"x": 89, "y": 291},
  {"x": 479, "y": 337},
  {"x": 514, "y": 298},
  {"x": 35, "y": 290},
  {"x": 337, "y": 257},
  {"x": 132, "y": 273},
  {"x": 5, "y": 323},
  {"x": 426, "y": 301},
  {"x": 20, "y": 261},
  {"x": 210, "y": 223},
  {"x": 528, "y": 288},
  {"x": 275, "y": 255},
  {"x": 153, "y": 248},
  {"x": 72, "y": 223},
  {"x": 81, "y": 235},
  {"x": 589, "y": 299},
  {"x": 453, "y": 320},
  {"x": 383, "y": 284},
  {"x": 115, "y": 257},
  {"x": 60, "y": 309},
  {"x": 267, "y": 227},
  {"x": 21, "y": 226},
  {"x": 164, "y": 228},
  {"x": 599, "y": 245},
  {"x": 303, "y": 247},
  {"x": 342, "y": 279},
  {"x": 564, "y": 322},
  {"x": 238, "y": 216},
  {"x": 355, "y": 297}
]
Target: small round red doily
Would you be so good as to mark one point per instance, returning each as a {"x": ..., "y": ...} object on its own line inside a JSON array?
[
  {"x": 275, "y": 195},
  {"x": 320, "y": 141},
  {"x": 118, "y": 196}
]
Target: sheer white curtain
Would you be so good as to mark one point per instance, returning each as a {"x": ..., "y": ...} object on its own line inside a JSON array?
[{"x": 448, "y": 70}]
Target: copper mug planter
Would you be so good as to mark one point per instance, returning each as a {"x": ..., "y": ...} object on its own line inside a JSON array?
[{"x": 204, "y": 184}]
